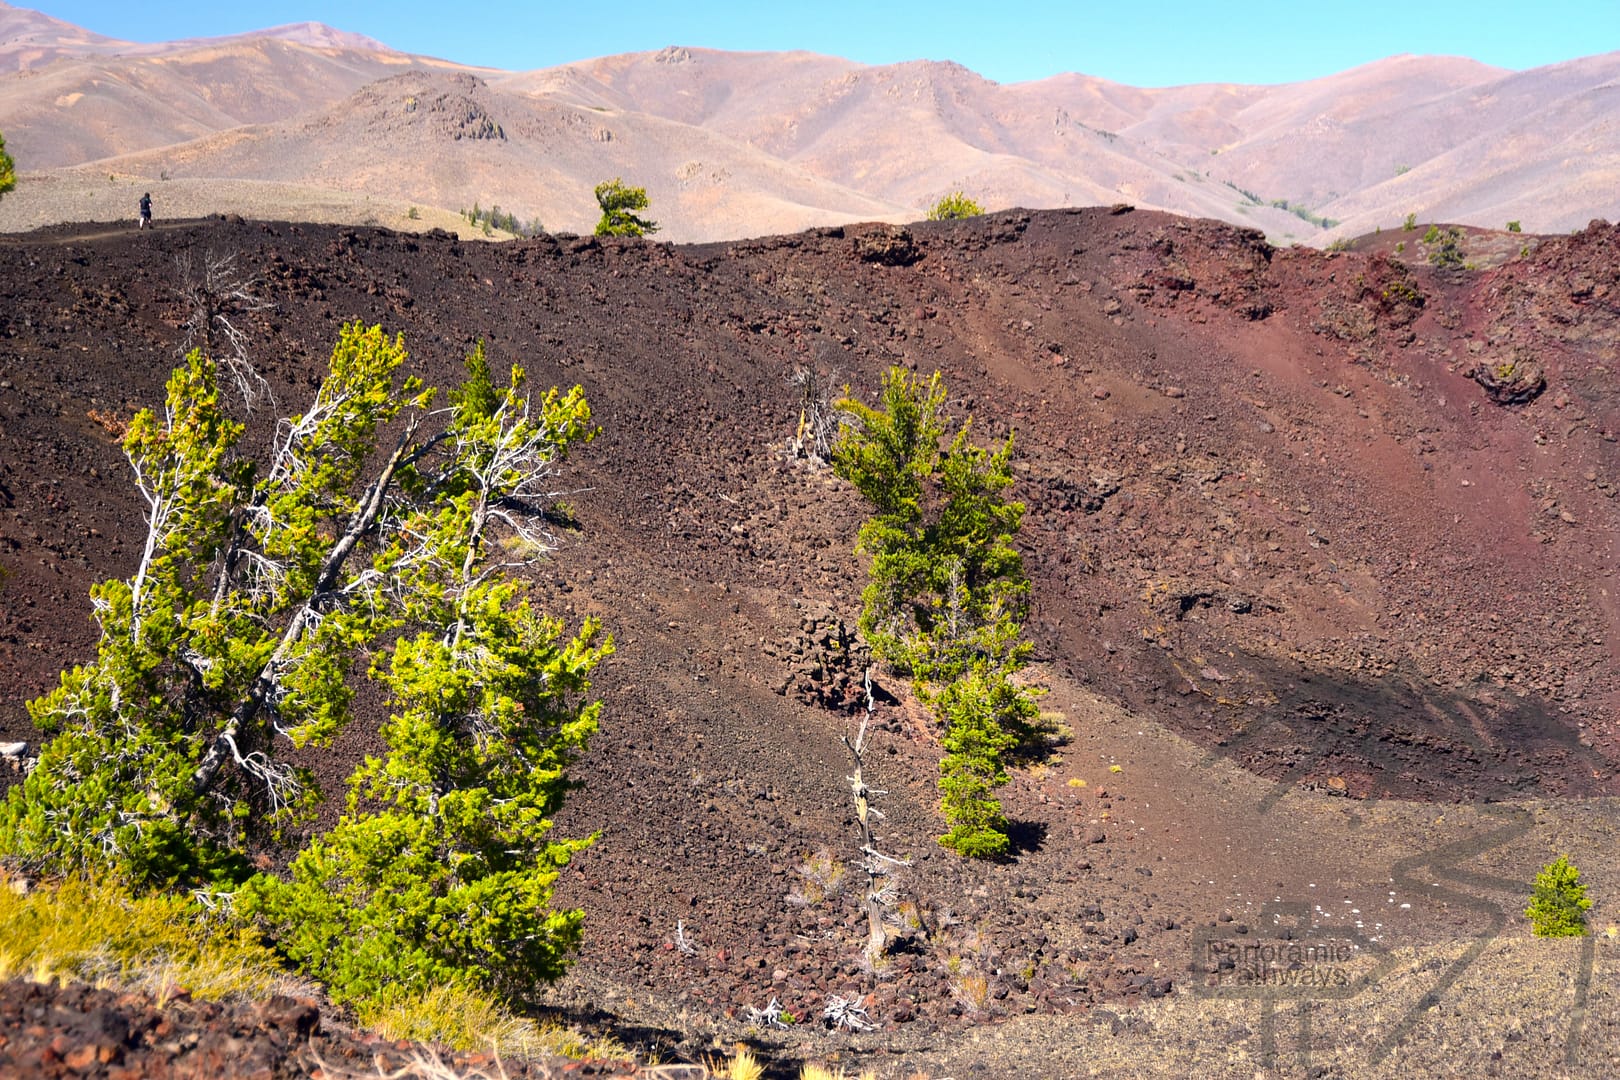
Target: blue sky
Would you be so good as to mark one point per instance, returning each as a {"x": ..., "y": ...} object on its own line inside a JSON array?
[{"x": 1143, "y": 44}]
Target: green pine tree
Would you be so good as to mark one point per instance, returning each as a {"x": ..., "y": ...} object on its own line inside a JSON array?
[
  {"x": 619, "y": 204},
  {"x": 1558, "y": 905},
  {"x": 979, "y": 711},
  {"x": 8, "y": 169},
  {"x": 946, "y": 595},
  {"x": 261, "y": 589},
  {"x": 442, "y": 869}
]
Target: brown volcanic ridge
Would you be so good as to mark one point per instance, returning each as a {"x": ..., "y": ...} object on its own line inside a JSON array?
[
  {"x": 1322, "y": 549},
  {"x": 311, "y": 123}
]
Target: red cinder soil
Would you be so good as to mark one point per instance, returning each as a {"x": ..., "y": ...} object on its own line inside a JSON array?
[
  {"x": 51, "y": 1032},
  {"x": 1274, "y": 522}
]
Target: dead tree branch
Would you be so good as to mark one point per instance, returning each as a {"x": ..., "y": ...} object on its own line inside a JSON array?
[
  {"x": 219, "y": 299},
  {"x": 878, "y": 866},
  {"x": 819, "y": 418}
]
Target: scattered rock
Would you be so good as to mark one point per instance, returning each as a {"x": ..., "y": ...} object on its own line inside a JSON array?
[
  {"x": 888, "y": 245},
  {"x": 1511, "y": 382}
]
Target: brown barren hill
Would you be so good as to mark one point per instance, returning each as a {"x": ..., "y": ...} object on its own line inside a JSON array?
[
  {"x": 1322, "y": 548},
  {"x": 730, "y": 145},
  {"x": 68, "y": 97}
]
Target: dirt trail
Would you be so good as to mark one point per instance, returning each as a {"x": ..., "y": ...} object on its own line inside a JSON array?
[{"x": 56, "y": 237}]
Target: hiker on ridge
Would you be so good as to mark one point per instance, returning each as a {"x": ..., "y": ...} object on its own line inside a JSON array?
[{"x": 146, "y": 211}]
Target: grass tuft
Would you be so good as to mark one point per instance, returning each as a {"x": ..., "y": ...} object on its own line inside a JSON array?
[
  {"x": 821, "y": 876},
  {"x": 821, "y": 1072},
  {"x": 98, "y": 934},
  {"x": 464, "y": 1019},
  {"x": 742, "y": 1066},
  {"x": 972, "y": 991}
]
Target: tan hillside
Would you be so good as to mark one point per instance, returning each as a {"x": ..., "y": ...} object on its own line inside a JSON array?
[{"x": 739, "y": 144}]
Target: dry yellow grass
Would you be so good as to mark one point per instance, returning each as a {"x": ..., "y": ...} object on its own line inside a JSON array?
[
  {"x": 95, "y": 933},
  {"x": 818, "y": 1072}
]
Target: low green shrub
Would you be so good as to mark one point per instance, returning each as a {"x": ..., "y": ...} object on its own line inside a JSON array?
[
  {"x": 953, "y": 207},
  {"x": 1447, "y": 253},
  {"x": 1559, "y": 904},
  {"x": 8, "y": 169}
]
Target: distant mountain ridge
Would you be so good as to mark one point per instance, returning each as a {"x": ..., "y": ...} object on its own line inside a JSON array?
[
  {"x": 734, "y": 144},
  {"x": 30, "y": 39}
]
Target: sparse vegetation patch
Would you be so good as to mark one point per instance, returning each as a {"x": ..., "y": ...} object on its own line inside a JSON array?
[
  {"x": 1446, "y": 248},
  {"x": 495, "y": 218},
  {"x": 953, "y": 207}
]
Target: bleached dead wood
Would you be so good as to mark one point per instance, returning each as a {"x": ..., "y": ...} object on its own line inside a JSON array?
[{"x": 878, "y": 866}]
